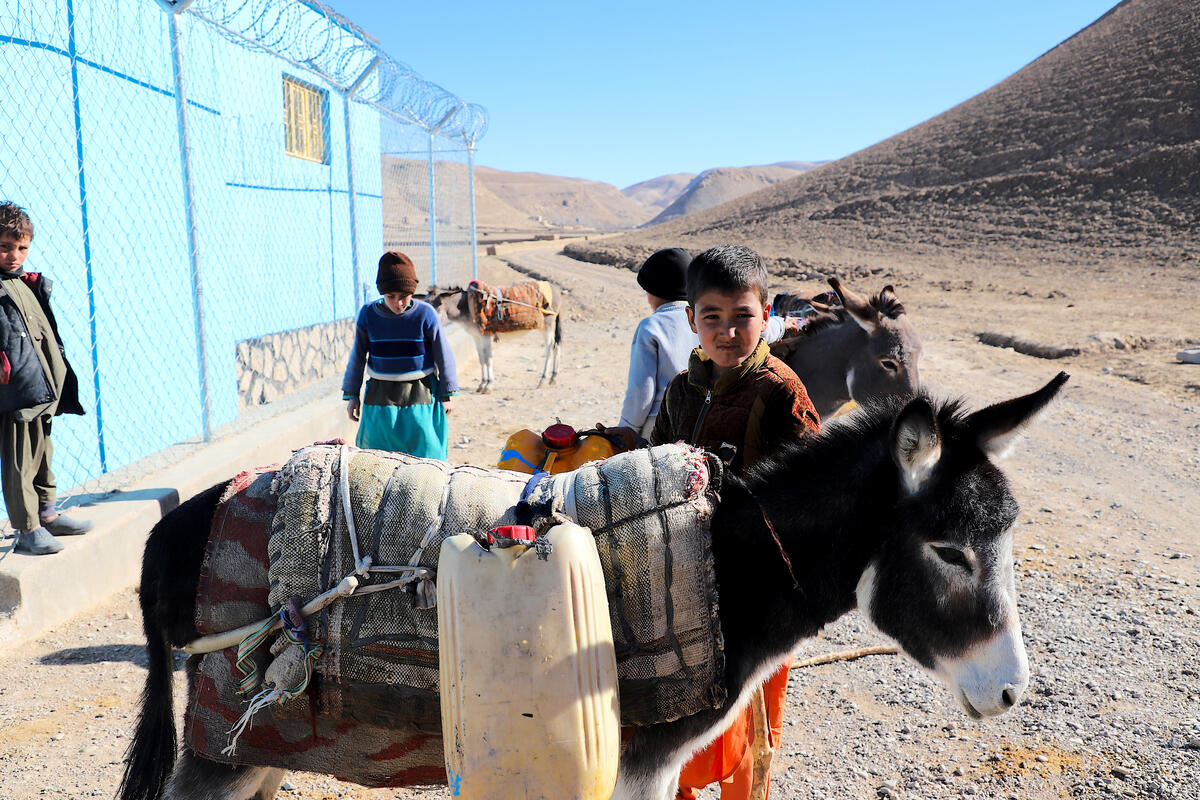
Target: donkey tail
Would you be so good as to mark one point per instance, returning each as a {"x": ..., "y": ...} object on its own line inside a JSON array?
[
  {"x": 558, "y": 326},
  {"x": 167, "y": 595},
  {"x": 151, "y": 754}
]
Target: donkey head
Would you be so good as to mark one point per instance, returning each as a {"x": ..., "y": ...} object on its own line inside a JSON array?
[
  {"x": 437, "y": 298},
  {"x": 941, "y": 584},
  {"x": 887, "y": 365}
]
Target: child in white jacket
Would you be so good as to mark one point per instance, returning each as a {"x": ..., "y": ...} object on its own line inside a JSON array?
[{"x": 662, "y": 341}]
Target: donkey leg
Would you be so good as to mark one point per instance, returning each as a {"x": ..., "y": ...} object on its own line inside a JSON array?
[
  {"x": 271, "y": 781},
  {"x": 557, "y": 353},
  {"x": 488, "y": 366},
  {"x": 479, "y": 340},
  {"x": 548, "y": 359},
  {"x": 655, "y": 784},
  {"x": 197, "y": 778}
]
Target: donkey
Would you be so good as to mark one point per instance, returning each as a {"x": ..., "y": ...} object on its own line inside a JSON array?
[
  {"x": 864, "y": 351},
  {"x": 898, "y": 510},
  {"x": 549, "y": 318}
]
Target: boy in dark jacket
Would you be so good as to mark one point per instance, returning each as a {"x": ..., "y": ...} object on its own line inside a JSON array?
[
  {"x": 36, "y": 384},
  {"x": 740, "y": 402}
]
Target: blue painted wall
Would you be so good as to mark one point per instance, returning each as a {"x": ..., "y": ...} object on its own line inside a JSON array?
[{"x": 93, "y": 153}]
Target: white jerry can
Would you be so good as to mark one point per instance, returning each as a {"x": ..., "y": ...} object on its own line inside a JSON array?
[{"x": 528, "y": 669}]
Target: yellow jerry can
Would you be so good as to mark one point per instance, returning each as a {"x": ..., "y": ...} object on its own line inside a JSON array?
[
  {"x": 528, "y": 669},
  {"x": 559, "y": 448}
]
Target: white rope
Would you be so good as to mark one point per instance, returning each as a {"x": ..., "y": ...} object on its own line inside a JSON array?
[
  {"x": 245, "y": 722},
  {"x": 362, "y": 566},
  {"x": 549, "y": 312}
]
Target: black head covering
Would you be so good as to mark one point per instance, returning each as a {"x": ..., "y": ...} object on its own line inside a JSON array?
[{"x": 664, "y": 274}]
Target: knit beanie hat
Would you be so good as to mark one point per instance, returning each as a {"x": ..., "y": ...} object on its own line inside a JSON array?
[
  {"x": 664, "y": 274},
  {"x": 396, "y": 274}
]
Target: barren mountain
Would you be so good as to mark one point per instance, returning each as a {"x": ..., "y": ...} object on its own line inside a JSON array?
[
  {"x": 564, "y": 202},
  {"x": 659, "y": 192},
  {"x": 1093, "y": 145},
  {"x": 722, "y": 184},
  {"x": 406, "y": 207}
]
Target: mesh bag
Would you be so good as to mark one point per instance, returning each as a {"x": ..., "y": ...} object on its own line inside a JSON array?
[{"x": 377, "y": 681}]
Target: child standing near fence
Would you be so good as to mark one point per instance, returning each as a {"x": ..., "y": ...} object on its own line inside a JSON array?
[
  {"x": 36, "y": 384},
  {"x": 409, "y": 366},
  {"x": 742, "y": 403}
]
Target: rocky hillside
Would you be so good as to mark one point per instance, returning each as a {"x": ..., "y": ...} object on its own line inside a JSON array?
[
  {"x": 1092, "y": 147},
  {"x": 406, "y": 199},
  {"x": 565, "y": 202},
  {"x": 716, "y": 186},
  {"x": 659, "y": 192}
]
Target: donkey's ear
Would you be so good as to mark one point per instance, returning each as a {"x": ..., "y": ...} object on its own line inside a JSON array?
[
  {"x": 860, "y": 310},
  {"x": 997, "y": 428},
  {"x": 916, "y": 444}
]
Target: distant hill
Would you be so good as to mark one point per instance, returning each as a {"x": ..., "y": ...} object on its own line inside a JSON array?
[
  {"x": 531, "y": 202},
  {"x": 1096, "y": 144},
  {"x": 659, "y": 192},
  {"x": 722, "y": 184},
  {"x": 564, "y": 202},
  {"x": 406, "y": 200}
]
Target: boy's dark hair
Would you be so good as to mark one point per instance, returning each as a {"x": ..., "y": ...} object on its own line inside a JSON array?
[
  {"x": 14, "y": 221},
  {"x": 727, "y": 268}
]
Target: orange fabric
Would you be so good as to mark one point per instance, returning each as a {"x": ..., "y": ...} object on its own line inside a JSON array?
[{"x": 728, "y": 759}]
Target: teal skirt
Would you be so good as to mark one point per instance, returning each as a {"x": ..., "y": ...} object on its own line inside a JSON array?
[{"x": 403, "y": 417}]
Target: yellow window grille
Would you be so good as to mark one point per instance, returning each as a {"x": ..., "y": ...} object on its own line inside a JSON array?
[{"x": 303, "y": 120}]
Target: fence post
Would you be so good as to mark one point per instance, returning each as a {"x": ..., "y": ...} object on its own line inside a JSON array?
[
  {"x": 346, "y": 98},
  {"x": 87, "y": 239},
  {"x": 432, "y": 226},
  {"x": 185, "y": 157},
  {"x": 471, "y": 195}
]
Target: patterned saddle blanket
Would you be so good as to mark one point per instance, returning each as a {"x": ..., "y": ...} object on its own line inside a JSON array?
[{"x": 519, "y": 307}]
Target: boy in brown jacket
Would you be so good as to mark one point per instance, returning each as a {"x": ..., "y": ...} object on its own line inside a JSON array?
[{"x": 740, "y": 402}]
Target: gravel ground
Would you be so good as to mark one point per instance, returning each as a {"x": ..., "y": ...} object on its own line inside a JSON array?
[{"x": 1106, "y": 573}]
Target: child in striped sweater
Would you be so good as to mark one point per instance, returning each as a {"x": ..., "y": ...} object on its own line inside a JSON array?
[{"x": 409, "y": 366}]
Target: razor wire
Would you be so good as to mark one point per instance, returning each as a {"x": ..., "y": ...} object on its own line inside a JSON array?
[{"x": 147, "y": 142}]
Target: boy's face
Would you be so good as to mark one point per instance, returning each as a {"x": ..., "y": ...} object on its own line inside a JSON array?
[
  {"x": 396, "y": 302},
  {"x": 729, "y": 325},
  {"x": 13, "y": 251}
]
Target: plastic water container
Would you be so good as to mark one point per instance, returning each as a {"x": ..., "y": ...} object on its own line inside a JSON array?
[
  {"x": 528, "y": 669},
  {"x": 559, "y": 448}
]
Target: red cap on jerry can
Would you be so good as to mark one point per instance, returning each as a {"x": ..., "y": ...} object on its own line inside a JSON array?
[
  {"x": 559, "y": 436},
  {"x": 523, "y": 532}
]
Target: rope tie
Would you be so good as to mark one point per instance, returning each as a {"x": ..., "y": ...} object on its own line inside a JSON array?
[
  {"x": 362, "y": 566},
  {"x": 288, "y": 675},
  {"x": 787, "y": 562}
]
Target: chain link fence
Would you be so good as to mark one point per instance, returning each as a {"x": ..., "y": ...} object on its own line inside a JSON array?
[{"x": 211, "y": 184}]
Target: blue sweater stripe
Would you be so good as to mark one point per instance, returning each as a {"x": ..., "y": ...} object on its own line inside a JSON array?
[{"x": 397, "y": 344}]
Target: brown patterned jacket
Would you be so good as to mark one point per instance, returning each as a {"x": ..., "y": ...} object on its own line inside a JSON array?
[{"x": 755, "y": 407}]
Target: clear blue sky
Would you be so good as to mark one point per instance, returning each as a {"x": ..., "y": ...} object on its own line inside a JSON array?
[{"x": 625, "y": 91}]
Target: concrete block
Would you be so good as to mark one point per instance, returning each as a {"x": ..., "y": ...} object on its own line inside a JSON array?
[{"x": 40, "y": 592}]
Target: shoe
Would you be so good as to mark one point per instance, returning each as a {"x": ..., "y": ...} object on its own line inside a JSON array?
[
  {"x": 37, "y": 542},
  {"x": 62, "y": 525}
]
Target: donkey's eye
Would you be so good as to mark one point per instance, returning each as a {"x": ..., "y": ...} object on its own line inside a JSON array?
[
  {"x": 889, "y": 365},
  {"x": 954, "y": 556}
]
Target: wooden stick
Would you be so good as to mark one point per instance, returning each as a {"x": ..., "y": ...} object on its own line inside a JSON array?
[
  {"x": 219, "y": 641},
  {"x": 848, "y": 655}
]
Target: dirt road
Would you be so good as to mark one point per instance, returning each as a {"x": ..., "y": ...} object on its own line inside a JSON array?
[{"x": 1106, "y": 575}]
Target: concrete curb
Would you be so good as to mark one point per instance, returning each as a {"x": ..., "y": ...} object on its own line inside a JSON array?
[{"x": 40, "y": 592}]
